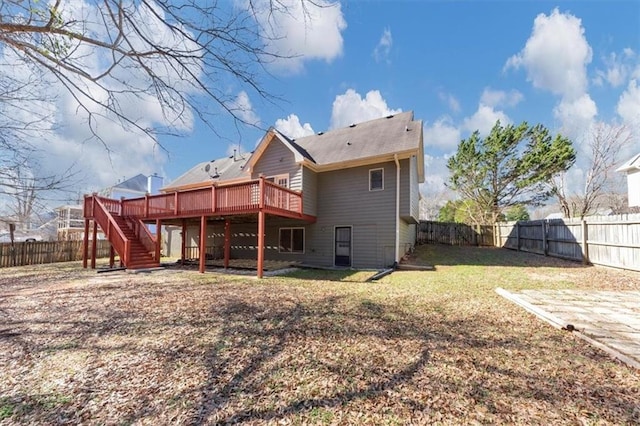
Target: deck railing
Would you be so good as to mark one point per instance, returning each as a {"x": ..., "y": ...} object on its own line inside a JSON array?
[{"x": 224, "y": 199}]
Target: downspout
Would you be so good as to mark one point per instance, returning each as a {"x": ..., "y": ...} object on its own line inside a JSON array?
[{"x": 397, "y": 254}]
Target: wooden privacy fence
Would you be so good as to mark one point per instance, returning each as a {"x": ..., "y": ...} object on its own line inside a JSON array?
[
  {"x": 601, "y": 240},
  {"x": 455, "y": 234},
  {"x": 38, "y": 252}
]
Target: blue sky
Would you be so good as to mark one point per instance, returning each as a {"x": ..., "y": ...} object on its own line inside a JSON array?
[
  {"x": 448, "y": 61},
  {"x": 459, "y": 65}
]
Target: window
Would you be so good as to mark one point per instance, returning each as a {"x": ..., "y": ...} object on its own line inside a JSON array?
[
  {"x": 376, "y": 179},
  {"x": 282, "y": 180},
  {"x": 291, "y": 240}
]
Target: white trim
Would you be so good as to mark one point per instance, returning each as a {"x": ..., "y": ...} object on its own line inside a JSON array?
[
  {"x": 303, "y": 239},
  {"x": 333, "y": 238},
  {"x": 397, "y": 251},
  {"x": 374, "y": 170}
]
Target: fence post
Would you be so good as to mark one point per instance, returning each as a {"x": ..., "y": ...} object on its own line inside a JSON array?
[
  {"x": 585, "y": 247},
  {"x": 544, "y": 237}
]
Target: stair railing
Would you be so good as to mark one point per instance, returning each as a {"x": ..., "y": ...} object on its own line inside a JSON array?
[
  {"x": 111, "y": 229},
  {"x": 144, "y": 235}
]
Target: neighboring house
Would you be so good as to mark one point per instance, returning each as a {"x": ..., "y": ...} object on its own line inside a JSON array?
[
  {"x": 348, "y": 197},
  {"x": 70, "y": 217},
  {"x": 632, "y": 169}
]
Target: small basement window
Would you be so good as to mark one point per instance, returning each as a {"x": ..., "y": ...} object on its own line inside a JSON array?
[
  {"x": 376, "y": 179},
  {"x": 291, "y": 240}
]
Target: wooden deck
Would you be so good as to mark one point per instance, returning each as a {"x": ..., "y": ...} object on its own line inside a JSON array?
[{"x": 122, "y": 221}]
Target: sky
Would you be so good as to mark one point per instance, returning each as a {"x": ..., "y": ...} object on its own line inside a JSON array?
[{"x": 458, "y": 65}]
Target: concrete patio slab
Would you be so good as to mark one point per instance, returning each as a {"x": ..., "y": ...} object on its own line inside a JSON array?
[{"x": 606, "y": 319}]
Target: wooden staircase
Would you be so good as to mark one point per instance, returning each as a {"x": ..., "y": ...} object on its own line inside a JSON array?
[
  {"x": 129, "y": 236},
  {"x": 139, "y": 256}
]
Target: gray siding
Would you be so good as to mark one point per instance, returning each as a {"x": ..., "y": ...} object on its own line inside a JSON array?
[
  {"x": 407, "y": 236},
  {"x": 244, "y": 240},
  {"x": 309, "y": 191},
  {"x": 344, "y": 199},
  {"x": 276, "y": 160},
  {"x": 409, "y": 190}
]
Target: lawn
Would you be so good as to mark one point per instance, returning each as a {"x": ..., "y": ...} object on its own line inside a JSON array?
[{"x": 314, "y": 347}]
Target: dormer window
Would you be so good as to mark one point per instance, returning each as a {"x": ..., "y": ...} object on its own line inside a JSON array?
[{"x": 376, "y": 179}]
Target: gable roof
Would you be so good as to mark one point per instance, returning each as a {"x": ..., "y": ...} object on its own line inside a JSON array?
[
  {"x": 632, "y": 164},
  {"x": 383, "y": 136},
  {"x": 220, "y": 169},
  {"x": 368, "y": 142}
]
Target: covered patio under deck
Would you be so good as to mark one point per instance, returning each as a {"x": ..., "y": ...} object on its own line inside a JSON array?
[{"x": 248, "y": 201}]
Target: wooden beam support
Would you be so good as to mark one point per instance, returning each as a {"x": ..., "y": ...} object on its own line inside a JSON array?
[
  {"x": 94, "y": 245},
  {"x": 261, "y": 219},
  {"x": 85, "y": 244},
  {"x": 203, "y": 243},
  {"x": 158, "y": 239},
  {"x": 112, "y": 256},
  {"x": 183, "y": 248},
  {"x": 227, "y": 242}
]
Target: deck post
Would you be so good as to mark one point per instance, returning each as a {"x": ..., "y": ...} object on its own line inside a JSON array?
[
  {"x": 183, "y": 248},
  {"x": 85, "y": 244},
  {"x": 227, "y": 242},
  {"x": 261, "y": 238},
  {"x": 203, "y": 243},
  {"x": 261, "y": 191},
  {"x": 213, "y": 198},
  {"x": 94, "y": 245},
  {"x": 112, "y": 256},
  {"x": 158, "y": 239},
  {"x": 146, "y": 204}
]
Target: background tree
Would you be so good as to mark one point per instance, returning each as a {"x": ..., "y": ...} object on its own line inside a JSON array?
[
  {"x": 510, "y": 166},
  {"x": 603, "y": 146},
  {"x": 517, "y": 212}
]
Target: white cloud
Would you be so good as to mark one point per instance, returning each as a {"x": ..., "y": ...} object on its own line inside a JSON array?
[
  {"x": 292, "y": 128},
  {"x": 618, "y": 68},
  {"x": 350, "y": 108},
  {"x": 300, "y": 31},
  {"x": 556, "y": 55},
  {"x": 500, "y": 98},
  {"x": 629, "y": 105},
  {"x": 576, "y": 115},
  {"x": 442, "y": 134},
  {"x": 436, "y": 174},
  {"x": 383, "y": 49},
  {"x": 451, "y": 101},
  {"x": 242, "y": 108},
  {"x": 484, "y": 119}
]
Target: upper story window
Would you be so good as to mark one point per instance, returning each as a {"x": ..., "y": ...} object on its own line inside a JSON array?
[
  {"x": 282, "y": 180},
  {"x": 376, "y": 179}
]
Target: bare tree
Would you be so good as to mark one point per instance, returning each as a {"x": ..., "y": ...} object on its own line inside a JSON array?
[
  {"x": 25, "y": 191},
  {"x": 180, "y": 54},
  {"x": 604, "y": 143}
]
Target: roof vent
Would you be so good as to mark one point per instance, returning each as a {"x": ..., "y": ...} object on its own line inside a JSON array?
[
  {"x": 352, "y": 125},
  {"x": 348, "y": 142},
  {"x": 389, "y": 116},
  {"x": 406, "y": 128},
  {"x": 320, "y": 133}
]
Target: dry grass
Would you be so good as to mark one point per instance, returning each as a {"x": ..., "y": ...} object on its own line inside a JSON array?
[{"x": 177, "y": 347}]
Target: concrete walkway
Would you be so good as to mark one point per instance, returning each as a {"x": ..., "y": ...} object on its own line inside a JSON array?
[{"x": 609, "y": 320}]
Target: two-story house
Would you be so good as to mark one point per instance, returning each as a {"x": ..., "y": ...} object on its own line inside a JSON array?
[{"x": 348, "y": 197}]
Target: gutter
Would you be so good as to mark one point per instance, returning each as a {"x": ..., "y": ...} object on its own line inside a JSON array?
[{"x": 397, "y": 253}]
